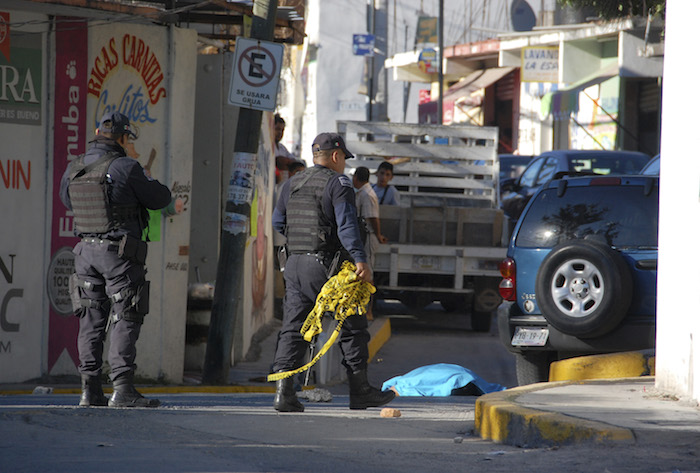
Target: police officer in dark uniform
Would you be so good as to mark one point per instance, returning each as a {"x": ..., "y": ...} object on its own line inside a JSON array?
[
  {"x": 316, "y": 212},
  {"x": 109, "y": 193}
]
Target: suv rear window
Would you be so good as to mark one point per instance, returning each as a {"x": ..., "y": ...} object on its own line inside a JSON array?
[
  {"x": 608, "y": 164},
  {"x": 622, "y": 216}
]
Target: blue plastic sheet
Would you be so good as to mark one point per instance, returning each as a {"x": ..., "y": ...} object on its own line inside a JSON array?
[{"x": 439, "y": 380}]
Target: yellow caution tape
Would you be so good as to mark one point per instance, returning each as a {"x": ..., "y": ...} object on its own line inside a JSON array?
[{"x": 344, "y": 294}]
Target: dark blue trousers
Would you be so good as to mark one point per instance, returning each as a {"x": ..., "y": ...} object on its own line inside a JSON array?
[
  {"x": 99, "y": 264},
  {"x": 304, "y": 276}
]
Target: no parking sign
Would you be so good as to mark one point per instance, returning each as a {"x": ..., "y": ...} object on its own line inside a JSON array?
[{"x": 256, "y": 74}]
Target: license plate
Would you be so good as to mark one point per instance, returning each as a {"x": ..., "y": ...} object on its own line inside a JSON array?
[
  {"x": 530, "y": 337},
  {"x": 425, "y": 262}
]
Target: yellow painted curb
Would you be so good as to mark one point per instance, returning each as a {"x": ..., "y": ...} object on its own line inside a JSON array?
[
  {"x": 497, "y": 417},
  {"x": 160, "y": 390},
  {"x": 614, "y": 365},
  {"x": 380, "y": 333}
]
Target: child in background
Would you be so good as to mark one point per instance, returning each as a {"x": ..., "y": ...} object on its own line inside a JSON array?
[{"x": 386, "y": 193}]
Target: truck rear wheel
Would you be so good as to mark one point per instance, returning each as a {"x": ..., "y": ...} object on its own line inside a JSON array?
[
  {"x": 415, "y": 300},
  {"x": 485, "y": 301},
  {"x": 481, "y": 321},
  {"x": 486, "y": 297},
  {"x": 452, "y": 302}
]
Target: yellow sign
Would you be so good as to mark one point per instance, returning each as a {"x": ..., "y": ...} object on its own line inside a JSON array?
[
  {"x": 426, "y": 32},
  {"x": 428, "y": 61}
]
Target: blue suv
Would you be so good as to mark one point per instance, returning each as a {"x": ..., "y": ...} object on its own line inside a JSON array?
[
  {"x": 580, "y": 272},
  {"x": 515, "y": 193}
]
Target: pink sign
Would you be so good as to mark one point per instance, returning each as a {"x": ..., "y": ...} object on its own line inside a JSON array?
[{"x": 69, "y": 142}]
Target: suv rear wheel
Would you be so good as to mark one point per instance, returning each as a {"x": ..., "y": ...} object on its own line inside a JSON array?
[
  {"x": 584, "y": 288},
  {"x": 533, "y": 367}
]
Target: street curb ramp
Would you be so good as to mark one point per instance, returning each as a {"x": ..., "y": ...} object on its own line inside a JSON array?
[{"x": 499, "y": 418}]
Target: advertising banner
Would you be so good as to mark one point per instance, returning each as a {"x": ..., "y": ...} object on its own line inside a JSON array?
[
  {"x": 22, "y": 195},
  {"x": 132, "y": 71},
  {"x": 20, "y": 61},
  {"x": 69, "y": 137},
  {"x": 87, "y": 70}
]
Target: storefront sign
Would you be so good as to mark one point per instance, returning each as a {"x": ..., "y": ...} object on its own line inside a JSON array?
[
  {"x": 428, "y": 61},
  {"x": 20, "y": 75},
  {"x": 426, "y": 31},
  {"x": 540, "y": 64}
]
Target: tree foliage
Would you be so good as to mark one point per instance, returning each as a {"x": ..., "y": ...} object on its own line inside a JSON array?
[{"x": 610, "y": 9}]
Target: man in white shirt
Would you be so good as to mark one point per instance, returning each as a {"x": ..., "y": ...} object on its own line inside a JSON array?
[{"x": 368, "y": 209}]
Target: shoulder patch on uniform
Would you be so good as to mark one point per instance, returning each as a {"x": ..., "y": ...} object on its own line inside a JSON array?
[{"x": 345, "y": 181}]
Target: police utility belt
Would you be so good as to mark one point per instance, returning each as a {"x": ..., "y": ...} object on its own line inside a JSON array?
[
  {"x": 127, "y": 247},
  {"x": 331, "y": 261}
]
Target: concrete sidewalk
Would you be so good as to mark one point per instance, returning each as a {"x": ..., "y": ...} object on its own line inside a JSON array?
[{"x": 582, "y": 411}]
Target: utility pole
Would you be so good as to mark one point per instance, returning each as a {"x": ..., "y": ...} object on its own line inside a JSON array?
[
  {"x": 371, "y": 27},
  {"x": 228, "y": 292},
  {"x": 441, "y": 46}
]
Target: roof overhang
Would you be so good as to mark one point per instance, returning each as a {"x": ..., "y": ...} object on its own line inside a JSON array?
[
  {"x": 564, "y": 101},
  {"x": 585, "y": 47},
  {"x": 214, "y": 19},
  {"x": 459, "y": 60},
  {"x": 475, "y": 81}
]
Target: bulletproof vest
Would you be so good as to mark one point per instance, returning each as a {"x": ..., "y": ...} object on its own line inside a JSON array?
[
  {"x": 308, "y": 229},
  {"x": 89, "y": 190}
]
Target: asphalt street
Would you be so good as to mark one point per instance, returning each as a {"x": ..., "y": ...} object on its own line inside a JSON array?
[
  {"x": 234, "y": 432},
  {"x": 240, "y": 432}
]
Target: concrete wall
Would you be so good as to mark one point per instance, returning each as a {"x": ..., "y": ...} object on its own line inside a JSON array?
[
  {"x": 215, "y": 130},
  {"x": 66, "y": 80},
  {"x": 23, "y": 193},
  {"x": 678, "y": 323}
]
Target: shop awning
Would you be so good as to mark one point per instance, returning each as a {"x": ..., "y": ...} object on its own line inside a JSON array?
[
  {"x": 563, "y": 102},
  {"x": 475, "y": 81}
]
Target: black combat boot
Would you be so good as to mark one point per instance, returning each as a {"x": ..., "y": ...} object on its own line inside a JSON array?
[
  {"x": 92, "y": 392},
  {"x": 363, "y": 395},
  {"x": 126, "y": 395},
  {"x": 285, "y": 397}
]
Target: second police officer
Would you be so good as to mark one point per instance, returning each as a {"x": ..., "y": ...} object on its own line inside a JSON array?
[
  {"x": 109, "y": 193},
  {"x": 317, "y": 214}
]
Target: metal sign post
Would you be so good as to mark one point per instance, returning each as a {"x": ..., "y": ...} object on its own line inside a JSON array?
[{"x": 228, "y": 292}]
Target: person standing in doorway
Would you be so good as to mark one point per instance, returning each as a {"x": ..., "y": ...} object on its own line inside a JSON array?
[{"x": 283, "y": 158}]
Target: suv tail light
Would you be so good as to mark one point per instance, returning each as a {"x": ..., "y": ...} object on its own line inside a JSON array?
[{"x": 507, "y": 285}]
